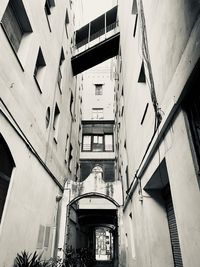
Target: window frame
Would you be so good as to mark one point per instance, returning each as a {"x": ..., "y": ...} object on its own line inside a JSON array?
[
  {"x": 92, "y": 144},
  {"x": 95, "y": 111},
  {"x": 98, "y": 89},
  {"x": 23, "y": 23}
]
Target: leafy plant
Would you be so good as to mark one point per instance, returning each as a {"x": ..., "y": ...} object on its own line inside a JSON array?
[{"x": 26, "y": 259}]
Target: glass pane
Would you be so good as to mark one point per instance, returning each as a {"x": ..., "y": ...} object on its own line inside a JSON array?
[
  {"x": 104, "y": 244},
  {"x": 100, "y": 140},
  {"x": 108, "y": 142},
  {"x": 95, "y": 139},
  {"x": 87, "y": 142}
]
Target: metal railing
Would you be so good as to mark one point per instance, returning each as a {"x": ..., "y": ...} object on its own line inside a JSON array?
[{"x": 96, "y": 37}]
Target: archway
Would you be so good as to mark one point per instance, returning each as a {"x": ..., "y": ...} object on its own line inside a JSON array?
[
  {"x": 93, "y": 226},
  {"x": 93, "y": 195}
]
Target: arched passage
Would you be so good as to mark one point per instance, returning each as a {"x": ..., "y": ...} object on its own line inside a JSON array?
[
  {"x": 93, "y": 226},
  {"x": 93, "y": 195}
]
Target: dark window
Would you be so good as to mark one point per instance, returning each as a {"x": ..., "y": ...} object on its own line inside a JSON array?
[
  {"x": 47, "y": 117},
  {"x": 47, "y": 7},
  {"x": 56, "y": 121},
  {"x": 15, "y": 23},
  {"x": 193, "y": 111},
  {"x": 70, "y": 157},
  {"x": 135, "y": 12},
  {"x": 127, "y": 178},
  {"x": 66, "y": 148},
  {"x": 71, "y": 104},
  {"x": 142, "y": 77},
  {"x": 38, "y": 71},
  {"x": 97, "y": 143},
  {"x": 62, "y": 58},
  {"x": 66, "y": 22},
  {"x": 98, "y": 89},
  {"x": 6, "y": 167}
]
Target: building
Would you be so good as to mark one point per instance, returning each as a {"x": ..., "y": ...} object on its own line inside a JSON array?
[
  {"x": 158, "y": 120},
  {"x": 39, "y": 120},
  {"x": 106, "y": 159}
]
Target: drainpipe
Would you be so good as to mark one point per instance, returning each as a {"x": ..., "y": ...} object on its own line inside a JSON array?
[{"x": 63, "y": 222}]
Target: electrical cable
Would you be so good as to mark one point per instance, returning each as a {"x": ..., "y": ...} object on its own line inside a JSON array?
[{"x": 150, "y": 82}]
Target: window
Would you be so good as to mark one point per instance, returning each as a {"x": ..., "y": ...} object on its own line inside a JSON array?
[
  {"x": 62, "y": 58},
  {"x": 39, "y": 69},
  {"x": 66, "y": 22},
  {"x": 15, "y": 23},
  {"x": 97, "y": 143},
  {"x": 193, "y": 112},
  {"x": 71, "y": 104},
  {"x": 6, "y": 167},
  {"x": 47, "y": 236},
  {"x": 47, "y": 7},
  {"x": 135, "y": 12},
  {"x": 142, "y": 77},
  {"x": 70, "y": 157},
  {"x": 56, "y": 121},
  {"x": 47, "y": 117},
  {"x": 97, "y": 113},
  {"x": 87, "y": 142},
  {"x": 127, "y": 178},
  {"x": 108, "y": 142},
  {"x": 98, "y": 89},
  {"x": 66, "y": 148}
]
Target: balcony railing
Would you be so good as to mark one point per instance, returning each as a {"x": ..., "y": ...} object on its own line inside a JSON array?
[{"x": 96, "y": 38}]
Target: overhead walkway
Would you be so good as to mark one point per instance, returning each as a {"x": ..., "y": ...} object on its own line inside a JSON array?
[{"x": 96, "y": 42}]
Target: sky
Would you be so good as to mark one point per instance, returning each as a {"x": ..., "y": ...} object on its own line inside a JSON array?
[{"x": 94, "y": 8}]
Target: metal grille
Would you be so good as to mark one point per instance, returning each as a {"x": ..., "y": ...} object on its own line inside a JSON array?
[{"x": 173, "y": 228}]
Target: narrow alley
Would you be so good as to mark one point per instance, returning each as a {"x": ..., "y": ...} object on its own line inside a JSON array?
[{"x": 99, "y": 133}]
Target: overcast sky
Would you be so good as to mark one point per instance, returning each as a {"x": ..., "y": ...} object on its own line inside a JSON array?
[{"x": 94, "y": 8}]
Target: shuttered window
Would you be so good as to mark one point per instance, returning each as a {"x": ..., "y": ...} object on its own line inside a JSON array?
[
  {"x": 172, "y": 228},
  {"x": 47, "y": 236},
  {"x": 15, "y": 23},
  {"x": 12, "y": 27}
]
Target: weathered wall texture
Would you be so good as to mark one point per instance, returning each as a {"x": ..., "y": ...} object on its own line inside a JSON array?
[
  {"x": 41, "y": 153},
  {"x": 173, "y": 42}
]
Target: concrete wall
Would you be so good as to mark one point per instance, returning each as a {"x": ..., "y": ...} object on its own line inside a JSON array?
[
  {"x": 41, "y": 154},
  {"x": 174, "y": 51},
  {"x": 100, "y": 74}
]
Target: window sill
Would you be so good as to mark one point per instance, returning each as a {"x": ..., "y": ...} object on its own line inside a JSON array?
[
  {"x": 37, "y": 83},
  {"x": 15, "y": 53}
]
